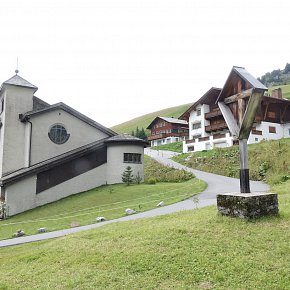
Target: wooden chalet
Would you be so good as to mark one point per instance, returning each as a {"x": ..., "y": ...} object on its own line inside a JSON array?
[
  {"x": 208, "y": 128},
  {"x": 164, "y": 130}
]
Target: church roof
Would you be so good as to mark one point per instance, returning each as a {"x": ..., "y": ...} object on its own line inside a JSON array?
[
  {"x": 25, "y": 117},
  {"x": 19, "y": 81},
  {"x": 125, "y": 138}
]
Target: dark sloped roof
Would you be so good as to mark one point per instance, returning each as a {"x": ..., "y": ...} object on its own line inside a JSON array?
[
  {"x": 68, "y": 109},
  {"x": 169, "y": 120},
  {"x": 52, "y": 162},
  {"x": 209, "y": 98},
  {"x": 39, "y": 104},
  {"x": 126, "y": 138},
  {"x": 19, "y": 81},
  {"x": 239, "y": 76}
]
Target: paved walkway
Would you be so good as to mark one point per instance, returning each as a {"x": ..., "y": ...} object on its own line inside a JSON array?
[{"x": 216, "y": 184}]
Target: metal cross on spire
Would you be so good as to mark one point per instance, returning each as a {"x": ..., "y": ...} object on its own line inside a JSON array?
[{"x": 17, "y": 71}]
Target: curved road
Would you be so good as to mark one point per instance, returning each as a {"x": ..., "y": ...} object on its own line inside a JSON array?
[{"x": 216, "y": 184}]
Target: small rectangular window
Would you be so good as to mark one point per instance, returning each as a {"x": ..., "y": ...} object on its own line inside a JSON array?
[
  {"x": 272, "y": 129},
  {"x": 132, "y": 158},
  {"x": 198, "y": 112}
]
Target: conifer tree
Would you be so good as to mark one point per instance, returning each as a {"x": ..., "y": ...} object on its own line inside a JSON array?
[{"x": 127, "y": 175}]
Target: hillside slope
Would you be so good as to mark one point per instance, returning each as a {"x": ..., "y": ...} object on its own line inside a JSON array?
[
  {"x": 145, "y": 120},
  {"x": 285, "y": 90}
]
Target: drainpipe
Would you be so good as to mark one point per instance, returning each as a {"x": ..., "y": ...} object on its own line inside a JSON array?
[{"x": 30, "y": 139}]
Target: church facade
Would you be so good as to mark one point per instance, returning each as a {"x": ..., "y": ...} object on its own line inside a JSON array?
[{"x": 48, "y": 152}]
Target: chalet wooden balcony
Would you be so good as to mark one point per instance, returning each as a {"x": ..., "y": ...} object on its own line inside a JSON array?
[
  {"x": 200, "y": 139},
  {"x": 216, "y": 127},
  {"x": 189, "y": 141},
  {"x": 213, "y": 114},
  {"x": 219, "y": 136}
]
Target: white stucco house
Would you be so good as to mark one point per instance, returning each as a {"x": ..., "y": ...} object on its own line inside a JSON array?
[
  {"x": 208, "y": 128},
  {"x": 48, "y": 152}
]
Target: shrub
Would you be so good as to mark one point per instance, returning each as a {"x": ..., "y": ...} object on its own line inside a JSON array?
[
  {"x": 138, "y": 178},
  {"x": 151, "y": 180}
]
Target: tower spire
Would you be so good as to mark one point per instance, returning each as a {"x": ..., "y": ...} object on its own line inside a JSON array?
[{"x": 17, "y": 71}]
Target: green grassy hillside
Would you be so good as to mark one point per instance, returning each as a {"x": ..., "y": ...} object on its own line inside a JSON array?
[
  {"x": 268, "y": 161},
  {"x": 285, "y": 90},
  {"x": 145, "y": 120}
]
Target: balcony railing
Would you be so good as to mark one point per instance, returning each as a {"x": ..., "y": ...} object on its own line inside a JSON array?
[
  {"x": 219, "y": 136},
  {"x": 165, "y": 135},
  {"x": 200, "y": 139},
  {"x": 189, "y": 141},
  {"x": 213, "y": 114},
  {"x": 216, "y": 127}
]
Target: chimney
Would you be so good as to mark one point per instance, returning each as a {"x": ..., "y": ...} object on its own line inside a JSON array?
[{"x": 277, "y": 93}]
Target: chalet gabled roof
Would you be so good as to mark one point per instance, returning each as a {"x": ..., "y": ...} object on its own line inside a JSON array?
[
  {"x": 19, "y": 81},
  {"x": 52, "y": 162},
  {"x": 169, "y": 120},
  {"x": 209, "y": 98},
  {"x": 68, "y": 109},
  {"x": 238, "y": 80}
]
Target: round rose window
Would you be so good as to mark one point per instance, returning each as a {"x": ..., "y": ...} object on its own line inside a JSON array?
[{"x": 58, "y": 134}]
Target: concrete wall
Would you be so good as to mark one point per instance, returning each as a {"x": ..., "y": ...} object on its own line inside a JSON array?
[
  {"x": 227, "y": 141},
  {"x": 21, "y": 196},
  {"x": 17, "y": 100},
  {"x": 281, "y": 132},
  {"x": 80, "y": 132},
  {"x": 167, "y": 140},
  {"x": 116, "y": 165}
]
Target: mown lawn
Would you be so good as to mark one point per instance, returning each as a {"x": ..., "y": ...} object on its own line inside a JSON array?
[
  {"x": 108, "y": 201},
  {"x": 195, "y": 249}
]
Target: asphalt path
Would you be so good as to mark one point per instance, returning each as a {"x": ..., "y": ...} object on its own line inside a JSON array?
[{"x": 216, "y": 184}]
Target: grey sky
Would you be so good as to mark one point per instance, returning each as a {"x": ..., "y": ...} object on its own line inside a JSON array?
[{"x": 117, "y": 59}]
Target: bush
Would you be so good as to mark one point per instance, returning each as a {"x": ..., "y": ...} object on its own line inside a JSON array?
[{"x": 151, "y": 180}]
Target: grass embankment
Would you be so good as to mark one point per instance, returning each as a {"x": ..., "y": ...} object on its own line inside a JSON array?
[
  {"x": 268, "y": 161},
  {"x": 145, "y": 120},
  {"x": 109, "y": 201},
  {"x": 175, "y": 147},
  {"x": 285, "y": 90},
  {"x": 188, "y": 250}
]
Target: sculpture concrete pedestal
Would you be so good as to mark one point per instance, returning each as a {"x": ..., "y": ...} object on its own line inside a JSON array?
[
  {"x": 248, "y": 205},
  {"x": 238, "y": 102}
]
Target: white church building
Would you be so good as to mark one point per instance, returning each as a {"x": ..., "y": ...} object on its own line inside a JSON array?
[{"x": 48, "y": 152}]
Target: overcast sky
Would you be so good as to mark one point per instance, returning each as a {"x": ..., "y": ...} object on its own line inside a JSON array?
[{"x": 114, "y": 60}]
